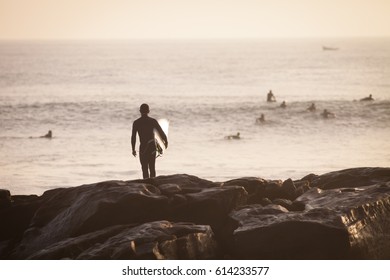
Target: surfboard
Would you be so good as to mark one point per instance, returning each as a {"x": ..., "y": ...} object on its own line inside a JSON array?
[{"x": 160, "y": 147}]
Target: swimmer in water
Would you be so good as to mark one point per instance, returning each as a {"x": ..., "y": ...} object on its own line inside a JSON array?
[
  {"x": 312, "y": 107},
  {"x": 283, "y": 105},
  {"x": 233, "y": 136},
  {"x": 261, "y": 119},
  {"x": 48, "y": 135},
  {"x": 369, "y": 98},
  {"x": 326, "y": 114}
]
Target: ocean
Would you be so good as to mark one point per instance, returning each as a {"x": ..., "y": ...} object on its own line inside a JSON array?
[{"x": 89, "y": 92}]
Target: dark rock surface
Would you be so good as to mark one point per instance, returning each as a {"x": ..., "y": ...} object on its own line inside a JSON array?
[
  {"x": 154, "y": 240},
  {"x": 339, "y": 215}
]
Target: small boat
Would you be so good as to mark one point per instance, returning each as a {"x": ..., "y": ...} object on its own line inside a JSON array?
[{"x": 329, "y": 48}]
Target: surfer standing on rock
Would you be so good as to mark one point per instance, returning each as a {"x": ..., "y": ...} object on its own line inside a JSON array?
[{"x": 145, "y": 127}]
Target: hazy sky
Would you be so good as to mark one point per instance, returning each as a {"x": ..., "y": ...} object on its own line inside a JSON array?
[{"x": 95, "y": 19}]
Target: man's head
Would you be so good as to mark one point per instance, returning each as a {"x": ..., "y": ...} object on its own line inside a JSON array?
[{"x": 144, "y": 109}]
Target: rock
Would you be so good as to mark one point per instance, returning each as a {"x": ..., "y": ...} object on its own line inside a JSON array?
[
  {"x": 185, "y": 217},
  {"x": 254, "y": 186},
  {"x": 289, "y": 205},
  {"x": 351, "y": 178},
  {"x": 157, "y": 240},
  {"x": 259, "y": 189},
  {"x": 210, "y": 206},
  {"x": 16, "y": 217},
  {"x": 5, "y": 198},
  {"x": 71, "y": 212},
  {"x": 336, "y": 225},
  {"x": 265, "y": 201},
  {"x": 288, "y": 235},
  {"x": 283, "y": 202},
  {"x": 297, "y": 206},
  {"x": 289, "y": 189},
  {"x": 75, "y": 211},
  {"x": 274, "y": 190},
  {"x": 170, "y": 189},
  {"x": 187, "y": 183},
  {"x": 71, "y": 248}
]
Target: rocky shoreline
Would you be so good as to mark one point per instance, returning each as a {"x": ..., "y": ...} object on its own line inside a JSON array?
[{"x": 339, "y": 215}]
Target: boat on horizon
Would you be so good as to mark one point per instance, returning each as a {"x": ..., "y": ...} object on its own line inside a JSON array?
[{"x": 324, "y": 48}]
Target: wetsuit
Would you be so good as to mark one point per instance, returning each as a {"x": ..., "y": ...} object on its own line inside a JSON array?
[{"x": 147, "y": 150}]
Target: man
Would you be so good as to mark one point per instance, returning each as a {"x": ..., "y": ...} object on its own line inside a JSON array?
[
  {"x": 271, "y": 97},
  {"x": 145, "y": 127},
  {"x": 369, "y": 98}
]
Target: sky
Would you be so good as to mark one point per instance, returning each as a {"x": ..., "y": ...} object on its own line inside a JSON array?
[{"x": 127, "y": 19}]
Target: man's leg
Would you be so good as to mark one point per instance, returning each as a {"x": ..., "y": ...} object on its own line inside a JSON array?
[
  {"x": 144, "y": 164},
  {"x": 152, "y": 165}
]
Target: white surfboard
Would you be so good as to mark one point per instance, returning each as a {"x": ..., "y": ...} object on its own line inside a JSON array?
[{"x": 164, "y": 123}]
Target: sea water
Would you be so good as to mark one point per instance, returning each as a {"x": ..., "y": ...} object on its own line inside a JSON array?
[{"x": 89, "y": 92}]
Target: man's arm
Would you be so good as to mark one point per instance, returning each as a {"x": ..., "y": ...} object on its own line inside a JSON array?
[{"x": 134, "y": 138}]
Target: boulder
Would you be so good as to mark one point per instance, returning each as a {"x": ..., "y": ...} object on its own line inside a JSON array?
[
  {"x": 351, "y": 178},
  {"x": 5, "y": 198},
  {"x": 155, "y": 240},
  {"x": 71, "y": 248},
  {"x": 16, "y": 216},
  {"x": 71, "y": 212},
  {"x": 210, "y": 206},
  {"x": 187, "y": 183},
  {"x": 75, "y": 211},
  {"x": 336, "y": 224},
  {"x": 259, "y": 189},
  {"x": 338, "y": 215}
]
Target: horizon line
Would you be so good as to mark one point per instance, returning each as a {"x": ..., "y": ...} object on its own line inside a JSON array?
[{"x": 197, "y": 38}]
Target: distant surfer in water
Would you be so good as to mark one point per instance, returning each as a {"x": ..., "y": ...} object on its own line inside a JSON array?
[
  {"x": 312, "y": 107},
  {"x": 261, "y": 119},
  {"x": 237, "y": 136},
  {"x": 326, "y": 114},
  {"x": 271, "y": 97},
  {"x": 369, "y": 98},
  {"x": 49, "y": 135},
  {"x": 145, "y": 126}
]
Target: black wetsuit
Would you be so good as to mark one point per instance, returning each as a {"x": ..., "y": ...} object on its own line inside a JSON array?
[{"x": 147, "y": 150}]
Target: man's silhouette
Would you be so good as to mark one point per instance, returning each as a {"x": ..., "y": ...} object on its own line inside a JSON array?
[
  {"x": 271, "y": 97},
  {"x": 145, "y": 127}
]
